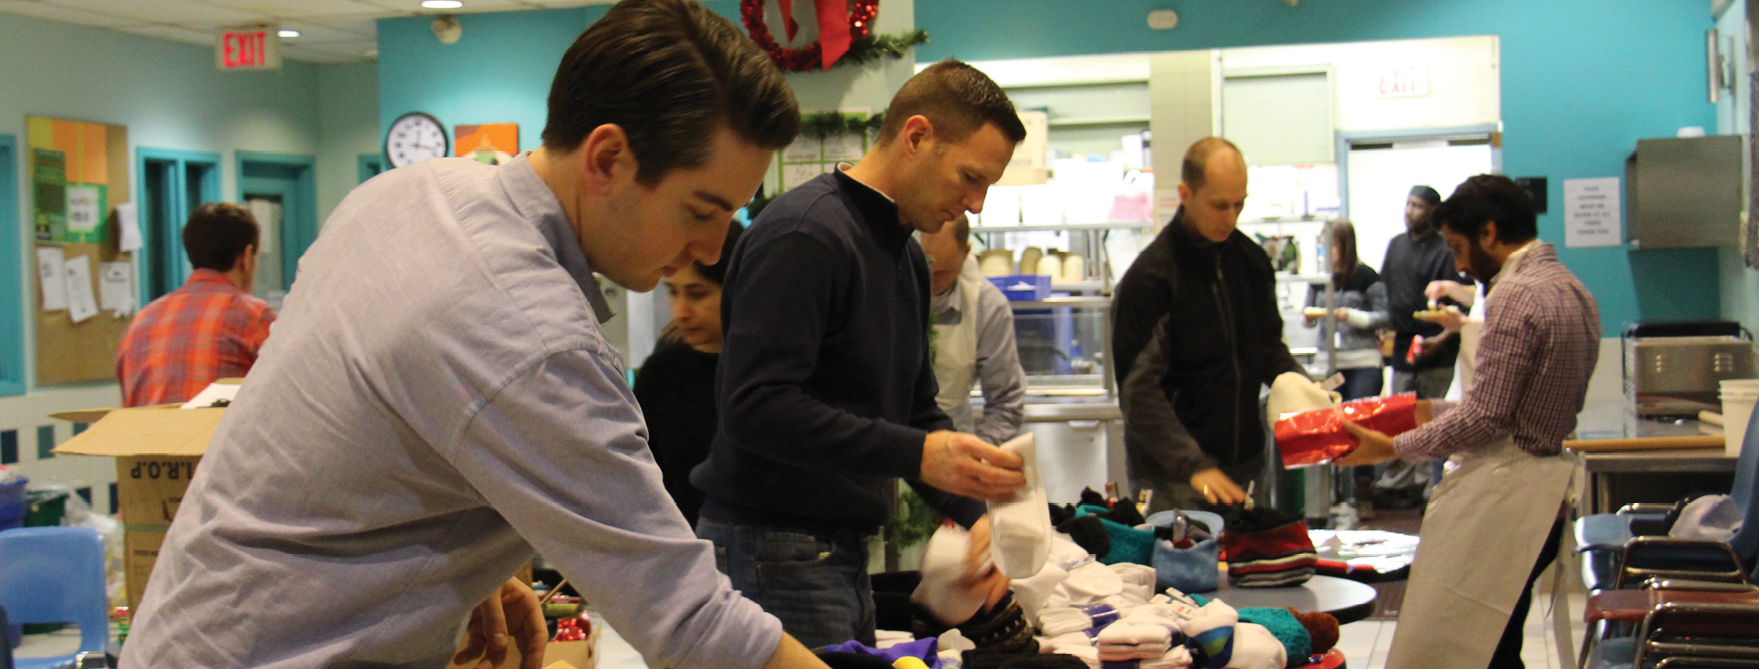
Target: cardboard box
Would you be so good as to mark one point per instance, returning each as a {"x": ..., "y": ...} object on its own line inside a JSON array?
[
  {"x": 557, "y": 655},
  {"x": 157, "y": 450}
]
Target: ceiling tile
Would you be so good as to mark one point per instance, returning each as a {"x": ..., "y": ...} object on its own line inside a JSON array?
[
  {"x": 364, "y": 27},
  {"x": 67, "y": 15},
  {"x": 176, "y": 33},
  {"x": 470, "y": 6},
  {"x": 297, "y": 9},
  {"x": 164, "y": 11}
]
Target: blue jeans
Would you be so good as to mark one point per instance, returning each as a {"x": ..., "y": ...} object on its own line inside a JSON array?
[
  {"x": 1360, "y": 383},
  {"x": 814, "y": 581}
]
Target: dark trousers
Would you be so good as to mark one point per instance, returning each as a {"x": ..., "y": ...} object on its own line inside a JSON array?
[
  {"x": 814, "y": 581},
  {"x": 1508, "y": 650},
  {"x": 1360, "y": 383}
]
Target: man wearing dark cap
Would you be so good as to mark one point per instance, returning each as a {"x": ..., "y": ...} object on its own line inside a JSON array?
[{"x": 1412, "y": 261}]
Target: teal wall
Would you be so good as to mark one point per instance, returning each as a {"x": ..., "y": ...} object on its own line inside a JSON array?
[
  {"x": 348, "y": 126},
  {"x": 1582, "y": 80},
  {"x": 499, "y": 71}
]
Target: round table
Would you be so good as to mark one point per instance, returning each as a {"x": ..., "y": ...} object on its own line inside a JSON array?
[{"x": 1345, "y": 599}]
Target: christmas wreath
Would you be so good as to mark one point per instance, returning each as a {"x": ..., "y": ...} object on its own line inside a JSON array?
[{"x": 841, "y": 40}]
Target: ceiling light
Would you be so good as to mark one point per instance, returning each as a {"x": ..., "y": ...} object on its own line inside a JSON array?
[
  {"x": 442, "y": 4},
  {"x": 287, "y": 33}
]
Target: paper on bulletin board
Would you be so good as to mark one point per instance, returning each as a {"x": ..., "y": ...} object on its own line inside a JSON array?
[
  {"x": 81, "y": 303},
  {"x": 1591, "y": 213},
  {"x": 804, "y": 150},
  {"x": 52, "y": 277},
  {"x": 116, "y": 288},
  {"x": 85, "y": 208},
  {"x": 128, "y": 237},
  {"x": 843, "y": 148}
]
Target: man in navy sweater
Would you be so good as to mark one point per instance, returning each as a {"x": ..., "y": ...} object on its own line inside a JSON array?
[{"x": 825, "y": 385}]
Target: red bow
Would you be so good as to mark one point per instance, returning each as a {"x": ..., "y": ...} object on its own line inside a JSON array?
[{"x": 833, "y": 27}]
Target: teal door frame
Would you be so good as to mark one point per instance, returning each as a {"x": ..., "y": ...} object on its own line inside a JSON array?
[
  {"x": 292, "y": 178},
  {"x": 12, "y": 372},
  {"x": 369, "y": 165},
  {"x": 181, "y": 195}
]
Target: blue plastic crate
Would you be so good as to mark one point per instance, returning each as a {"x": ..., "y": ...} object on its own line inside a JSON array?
[{"x": 1023, "y": 287}]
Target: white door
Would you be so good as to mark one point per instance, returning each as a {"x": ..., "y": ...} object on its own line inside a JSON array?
[
  {"x": 267, "y": 210},
  {"x": 1381, "y": 176}
]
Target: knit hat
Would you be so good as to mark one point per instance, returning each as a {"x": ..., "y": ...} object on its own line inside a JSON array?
[
  {"x": 1426, "y": 194},
  {"x": 1322, "y": 627},
  {"x": 1089, "y": 532},
  {"x": 1128, "y": 544},
  {"x": 1267, "y": 548}
]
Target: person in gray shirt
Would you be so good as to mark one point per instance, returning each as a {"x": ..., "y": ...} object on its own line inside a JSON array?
[
  {"x": 438, "y": 399},
  {"x": 973, "y": 338}
]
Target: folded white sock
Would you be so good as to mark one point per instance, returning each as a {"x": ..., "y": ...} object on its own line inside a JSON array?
[
  {"x": 1066, "y": 553},
  {"x": 1138, "y": 579},
  {"x": 1020, "y": 529},
  {"x": 1060, "y": 621},
  {"x": 1057, "y": 644},
  {"x": 1090, "y": 583},
  {"x": 1256, "y": 648},
  {"x": 1130, "y": 632},
  {"x": 1177, "y": 658}
]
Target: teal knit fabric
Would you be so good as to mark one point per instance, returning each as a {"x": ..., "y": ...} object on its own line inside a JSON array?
[
  {"x": 1285, "y": 627},
  {"x": 1128, "y": 544}
]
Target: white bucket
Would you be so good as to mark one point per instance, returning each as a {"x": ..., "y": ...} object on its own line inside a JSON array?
[{"x": 1738, "y": 398}]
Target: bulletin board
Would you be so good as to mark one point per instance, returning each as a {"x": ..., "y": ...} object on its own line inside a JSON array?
[{"x": 77, "y": 174}]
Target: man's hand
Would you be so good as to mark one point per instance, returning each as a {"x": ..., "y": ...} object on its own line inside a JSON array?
[
  {"x": 1217, "y": 487},
  {"x": 1341, "y": 313},
  {"x": 1372, "y": 448},
  {"x": 1454, "y": 290},
  {"x": 981, "y": 575},
  {"x": 1430, "y": 345},
  {"x": 513, "y": 609},
  {"x": 962, "y": 464}
]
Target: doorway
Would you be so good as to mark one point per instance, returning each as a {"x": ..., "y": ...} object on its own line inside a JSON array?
[
  {"x": 173, "y": 184},
  {"x": 280, "y": 190},
  {"x": 1380, "y": 169}
]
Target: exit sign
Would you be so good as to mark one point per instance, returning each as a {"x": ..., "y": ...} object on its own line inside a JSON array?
[
  {"x": 247, "y": 48},
  {"x": 1409, "y": 80}
]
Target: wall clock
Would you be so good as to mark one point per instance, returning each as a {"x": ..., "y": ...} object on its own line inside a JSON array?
[{"x": 415, "y": 137}]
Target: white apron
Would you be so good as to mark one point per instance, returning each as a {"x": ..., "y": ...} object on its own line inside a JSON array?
[
  {"x": 1486, "y": 523},
  {"x": 955, "y": 358}
]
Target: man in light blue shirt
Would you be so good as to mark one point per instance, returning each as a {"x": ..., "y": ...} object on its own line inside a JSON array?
[{"x": 438, "y": 399}]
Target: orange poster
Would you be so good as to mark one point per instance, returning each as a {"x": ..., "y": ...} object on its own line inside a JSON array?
[{"x": 492, "y": 143}]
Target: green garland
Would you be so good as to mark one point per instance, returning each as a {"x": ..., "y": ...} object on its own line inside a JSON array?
[
  {"x": 832, "y": 124},
  {"x": 914, "y": 522},
  {"x": 873, "y": 47}
]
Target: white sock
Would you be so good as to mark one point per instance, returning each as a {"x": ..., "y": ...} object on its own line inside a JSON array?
[{"x": 1020, "y": 530}]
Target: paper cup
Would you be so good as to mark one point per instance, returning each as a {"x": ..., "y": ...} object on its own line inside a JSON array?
[{"x": 1738, "y": 398}]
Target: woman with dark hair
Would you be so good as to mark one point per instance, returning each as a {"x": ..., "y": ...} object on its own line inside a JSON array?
[
  {"x": 1359, "y": 310},
  {"x": 676, "y": 386}
]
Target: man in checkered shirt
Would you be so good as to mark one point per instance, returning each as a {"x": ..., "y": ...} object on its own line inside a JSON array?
[
  {"x": 1540, "y": 341},
  {"x": 212, "y": 327}
]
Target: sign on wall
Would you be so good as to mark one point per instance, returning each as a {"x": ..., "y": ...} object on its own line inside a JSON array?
[
  {"x": 1407, "y": 80},
  {"x": 247, "y": 48},
  {"x": 1591, "y": 213}
]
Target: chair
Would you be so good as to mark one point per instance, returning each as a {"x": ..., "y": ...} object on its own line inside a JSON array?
[
  {"x": 1680, "y": 634},
  {"x": 1606, "y": 539},
  {"x": 56, "y": 575},
  {"x": 5, "y": 643}
]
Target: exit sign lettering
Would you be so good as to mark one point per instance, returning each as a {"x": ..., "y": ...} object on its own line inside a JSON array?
[
  {"x": 1403, "y": 81},
  {"x": 247, "y": 48}
]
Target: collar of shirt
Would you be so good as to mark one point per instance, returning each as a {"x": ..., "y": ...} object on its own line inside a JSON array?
[
  {"x": 1513, "y": 264},
  {"x": 948, "y": 303},
  {"x": 206, "y": 275},
  {"x": 878, "y": 210},
  {"x": 534, "y": 200}
]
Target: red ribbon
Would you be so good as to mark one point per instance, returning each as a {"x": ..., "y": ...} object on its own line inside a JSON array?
[
  {"x": 788, "y": 18},
  {"x": 833, "y": 29}
]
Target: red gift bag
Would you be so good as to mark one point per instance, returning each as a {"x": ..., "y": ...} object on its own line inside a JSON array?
[{"x": 1318, "y": 437}]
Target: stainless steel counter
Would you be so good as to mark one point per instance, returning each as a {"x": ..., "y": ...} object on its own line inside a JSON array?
[{"x": 1611, "y": 422}]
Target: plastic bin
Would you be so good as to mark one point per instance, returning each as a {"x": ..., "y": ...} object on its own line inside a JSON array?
[
  {"x": 13, "y": 503},
  {"x": 1023, "y": 287},
  {"x": 47, "y": 508}
]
